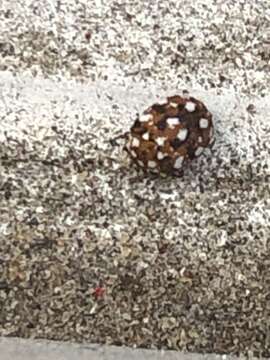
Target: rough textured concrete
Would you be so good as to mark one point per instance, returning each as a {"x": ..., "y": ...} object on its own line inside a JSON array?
[
  {"x": 94, "y": 251},
  {"x": 163, "y": 287},
  {"x": 18, "y": 349}
]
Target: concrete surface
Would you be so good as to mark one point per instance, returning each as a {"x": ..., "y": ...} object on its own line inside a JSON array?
[
  {"x": 26, "y": 99},
  {"x": 21, "y": 349},
  {"x": 128, "y": 53}
]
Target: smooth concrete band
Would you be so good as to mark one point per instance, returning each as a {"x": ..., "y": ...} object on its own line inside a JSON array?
[{"x": 21, "y": 349}]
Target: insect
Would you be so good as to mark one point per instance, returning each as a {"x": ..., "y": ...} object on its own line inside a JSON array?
[{"x": 168, "y": 135}]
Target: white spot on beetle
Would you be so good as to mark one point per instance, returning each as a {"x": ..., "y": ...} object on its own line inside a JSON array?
[
  {"x": 172, "y": 122},
  {"x": 203, "y": 123},
  {"x": 146, "y": 117},
  {"x": 178, "y": 162},
  {"x": 140, "y": 163},
  {"x": 190, "y": 106},
  {"x": 200, "y": 139},
  {"x": 145, "y": 136},
  {"x": 151, "y": 164},
  {"x": 160, "y": 155},
  {"x": 182, "y": 134},
  {"x": 173, "y": 104},
  {"x": 135, "y": 142},
  {"x": 199, "y": 151},
  {"x": 160, "y": 141}
]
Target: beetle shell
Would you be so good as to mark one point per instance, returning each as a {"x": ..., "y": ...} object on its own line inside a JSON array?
[{"x": 168, "y": 135}]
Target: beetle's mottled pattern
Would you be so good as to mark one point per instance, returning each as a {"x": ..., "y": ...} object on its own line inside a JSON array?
[{"x": 170, "y": 134}]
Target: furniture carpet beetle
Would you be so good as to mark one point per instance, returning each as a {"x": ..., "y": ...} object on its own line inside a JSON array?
[{"x": 170, "y": 134}]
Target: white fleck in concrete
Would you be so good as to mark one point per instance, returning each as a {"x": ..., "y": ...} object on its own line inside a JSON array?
[{"x": 199, "y": 151}]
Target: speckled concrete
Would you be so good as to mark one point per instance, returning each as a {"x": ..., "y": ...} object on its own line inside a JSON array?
[
  {"x": 69, "y": 197},
  {"x": 93, "y": 250}
]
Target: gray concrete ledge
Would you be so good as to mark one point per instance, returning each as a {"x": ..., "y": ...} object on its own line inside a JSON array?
[{"x": 21, "y": 349}]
